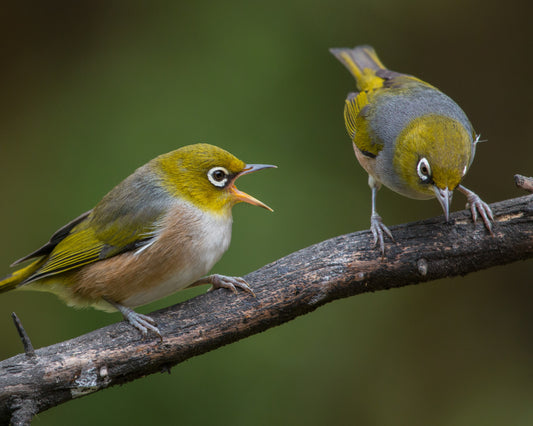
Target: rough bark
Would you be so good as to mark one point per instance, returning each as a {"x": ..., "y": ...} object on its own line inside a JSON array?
[
  {"x": 294, "y": 285},
  {"x": 524, "y": 182}
]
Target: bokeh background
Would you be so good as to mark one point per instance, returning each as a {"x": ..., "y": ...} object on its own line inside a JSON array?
[{"x": 93, "y": 89}]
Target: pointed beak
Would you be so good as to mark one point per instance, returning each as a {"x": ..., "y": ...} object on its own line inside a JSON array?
[
  {"x": 444, "y": 196},
  {"x": 243, "y": 196}
]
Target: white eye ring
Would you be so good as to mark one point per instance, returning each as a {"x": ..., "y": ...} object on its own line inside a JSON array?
[
  {"x": 218, "y": 176},
  {"x": 424, "y": 170}
]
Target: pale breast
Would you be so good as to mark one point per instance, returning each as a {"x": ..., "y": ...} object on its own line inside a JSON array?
[{"x": 188, "y": 243}]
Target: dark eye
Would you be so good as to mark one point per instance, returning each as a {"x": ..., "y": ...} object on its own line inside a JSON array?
[
  {"x": 218, "y": 176},
  {"x": 424, "y": 170}
]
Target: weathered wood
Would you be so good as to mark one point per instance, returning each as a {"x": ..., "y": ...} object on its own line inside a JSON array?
[
  {"x": 289, "y": 287},
  {"x": 524, "y": 182}
]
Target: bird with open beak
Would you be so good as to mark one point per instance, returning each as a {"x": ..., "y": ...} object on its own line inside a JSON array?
[{"x": 159, "y": 231}]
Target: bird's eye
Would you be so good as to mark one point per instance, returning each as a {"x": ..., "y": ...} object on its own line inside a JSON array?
[
  {"x": 423, "y": 170},
  {"x": 218, "y": 176}
]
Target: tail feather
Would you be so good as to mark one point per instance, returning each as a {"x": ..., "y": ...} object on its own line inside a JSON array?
[
  {"x": 357, "y": 60},
  {"x": 18, "y": 277},
  {"x": 8, "y": 283}
]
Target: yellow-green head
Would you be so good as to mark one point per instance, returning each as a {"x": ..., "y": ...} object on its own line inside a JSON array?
[
  {"x": 205, "y": 176},
  {"x": 431, "y": 156}
]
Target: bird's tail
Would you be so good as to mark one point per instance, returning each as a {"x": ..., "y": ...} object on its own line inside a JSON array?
[
  {"x": 362, "y": 62},
  {"x": 12, "y": 281}
]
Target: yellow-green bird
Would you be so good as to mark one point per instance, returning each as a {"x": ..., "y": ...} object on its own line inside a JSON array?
[
  {"x": 408, "y": 136},
  {"x": 158, "y": 231}
]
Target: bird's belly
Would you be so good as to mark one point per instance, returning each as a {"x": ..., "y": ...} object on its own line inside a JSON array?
[
  {"x": 366, "y": 162},
  {"x": 187, "y": 264},
  {"x": 176, "y": 280},
  {"x": 187, "y": 246}
]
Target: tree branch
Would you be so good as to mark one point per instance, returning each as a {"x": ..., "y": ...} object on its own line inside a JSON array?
[
  {"x": 524, "y": 182},
  {"x": 294, "y": 285}
]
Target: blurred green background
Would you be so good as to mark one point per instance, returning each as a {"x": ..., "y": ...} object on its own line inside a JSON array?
[{"x": 93, "y": 89}]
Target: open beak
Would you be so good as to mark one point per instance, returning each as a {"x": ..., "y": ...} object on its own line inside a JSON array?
[
  {"x": 445, "y": 199},
  {"x": 243, "y": 196}
]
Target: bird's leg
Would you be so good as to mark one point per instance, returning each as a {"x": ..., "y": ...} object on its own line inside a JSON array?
[
  {"x": 141, "y": 322},
  {"x": 376, "y": 223},
  {"x": 222, "y": 281},
  {"x": 477, "y": 205}
]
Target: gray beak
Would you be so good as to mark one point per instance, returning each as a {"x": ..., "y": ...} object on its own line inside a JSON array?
[
  {"x": 250, "y": 168},
  {"x": 445, "y": 199}
]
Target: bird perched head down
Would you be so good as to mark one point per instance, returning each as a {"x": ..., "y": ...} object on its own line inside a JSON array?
[{"x": 408, "y": 136}]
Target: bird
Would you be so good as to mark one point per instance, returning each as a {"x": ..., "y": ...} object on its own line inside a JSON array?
[
  {"x": 158, "y": 231},
  {"x": 408, "y": 136}
]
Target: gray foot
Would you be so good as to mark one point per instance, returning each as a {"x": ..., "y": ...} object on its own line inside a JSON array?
[
  {"x": 141, "y": 322},
  {"x": 231, "y": 283},
  {"x": 378, "y": 228},
  {"x": 477, "y": 205}
]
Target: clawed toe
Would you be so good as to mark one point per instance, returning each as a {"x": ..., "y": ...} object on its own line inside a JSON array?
[
  {"x": 230, "y": 283},
  {"x": 484, "y": 211},
  {"x": 478, "y": 206},
  {"x": 141, "y": 322},
  {"x": 378, "y": 228}
]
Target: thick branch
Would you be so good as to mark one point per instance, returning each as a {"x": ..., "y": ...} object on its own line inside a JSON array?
[{"x": 289, "y": 287}]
